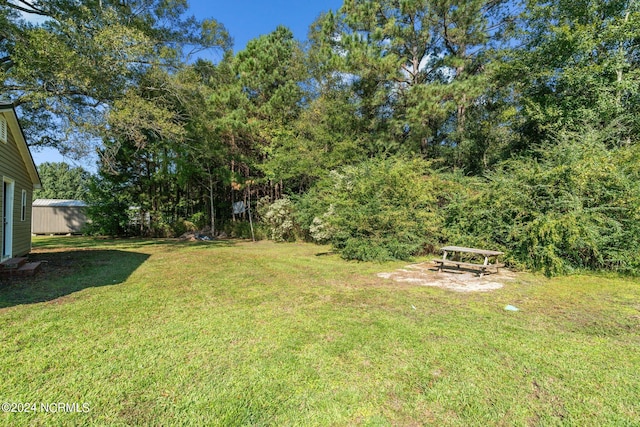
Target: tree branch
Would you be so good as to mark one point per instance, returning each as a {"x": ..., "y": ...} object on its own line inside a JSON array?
[{"x": 27, "y": 8}]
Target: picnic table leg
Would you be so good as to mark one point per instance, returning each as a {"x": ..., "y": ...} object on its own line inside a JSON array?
[
  {"x": 444, "y": 258},
  {"x": 484, "y": 266}
]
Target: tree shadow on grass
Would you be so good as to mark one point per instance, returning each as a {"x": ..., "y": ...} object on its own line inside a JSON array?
[{"x": 65, "y": 272}]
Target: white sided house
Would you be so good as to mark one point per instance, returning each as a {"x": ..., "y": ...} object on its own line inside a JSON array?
[
  {"x": 57, "y": 216},
  {"x": 19, "y": 179}
]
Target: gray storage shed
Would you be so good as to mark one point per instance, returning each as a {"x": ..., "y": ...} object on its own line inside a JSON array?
[{"x": 57, "y": 216}]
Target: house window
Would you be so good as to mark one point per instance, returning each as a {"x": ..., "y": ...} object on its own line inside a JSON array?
[
  {"x": 3, "y": 129},
  {"x": 23, "y": 210}
]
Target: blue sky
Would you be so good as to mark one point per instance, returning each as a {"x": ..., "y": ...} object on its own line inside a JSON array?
[{"x": 245, "y": 20}]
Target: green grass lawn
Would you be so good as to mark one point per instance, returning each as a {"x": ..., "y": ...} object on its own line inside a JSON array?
[{"x": 236, "y": 333}]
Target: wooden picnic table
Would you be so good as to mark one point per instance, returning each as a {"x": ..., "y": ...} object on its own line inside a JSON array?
[{"x": 487, "y": 254}]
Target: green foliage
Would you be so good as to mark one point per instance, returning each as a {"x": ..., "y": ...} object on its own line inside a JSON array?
[
  {"x": 199, "y": 220},
  {"x": 270, "y": 74},
  {"x": 269, "y": 70},
  {"x": 468, "y": 86},
  {"x": 576, "y": 207},
  {"x": 320, "y": 229},
  {"x": 242, "y": 230},
  {"x": 381, "y": 209},
  {"x": 578, "y": 63},
  {"x": 61, "y": 181},
  {"x": 415, "y": 68},
  {"x": 162, "y": 226},
  {"x": 162, "y": 173},
  {"x": 86, "y": 56},
  {"x": 320, "y": 140},
  {"x": 107, "y": 209},
  {"x": 279, "y": 218}
]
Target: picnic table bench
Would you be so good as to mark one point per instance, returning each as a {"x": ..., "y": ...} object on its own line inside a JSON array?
[{"x": 441, "y": 263}]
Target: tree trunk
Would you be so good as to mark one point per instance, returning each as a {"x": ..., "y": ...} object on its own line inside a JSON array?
[
  {"x": 212, "y": 206},
  {"x": 233, "y": 213}
]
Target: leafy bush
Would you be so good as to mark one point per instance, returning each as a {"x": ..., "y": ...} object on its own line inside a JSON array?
[
  {"x": 161, "y": 225},
  {"x": 107, "y": 209},
  {"x": 320, "y": 229},
  {"x": 242, "y": 230},
  {"x": 181, "y": 226},
  {"x": 200, "y": 220},
  {"x": 576, "y": 207},
  {"x": 279, "y": 219},
  {"x": 382, "y": 209}
]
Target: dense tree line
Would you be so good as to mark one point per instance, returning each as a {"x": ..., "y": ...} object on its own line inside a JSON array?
[
  {"x": 397, "y": 126},
  {"x": 61, "y": 181}
]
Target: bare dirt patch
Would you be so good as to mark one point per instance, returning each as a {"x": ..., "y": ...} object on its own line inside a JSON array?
[{"x": 426, "y": 274}]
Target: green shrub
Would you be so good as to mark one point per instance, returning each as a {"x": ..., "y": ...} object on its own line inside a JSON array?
[
  {"x": 161, "y": 225},
  {"x": 278, "y": 218},
  {"x": 107, "y": 209},
  {"x": 382, "y": 209},
  {"x": 242, "y": 230},
  {"x": 181, "y": 226},
  {"x": 200, "y": 220},
  {"x": 575, "y": 207},
  {"x": 320, "y": 229}
]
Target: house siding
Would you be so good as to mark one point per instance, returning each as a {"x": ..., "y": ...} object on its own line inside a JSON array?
[{"x": 12, "y": 167}]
